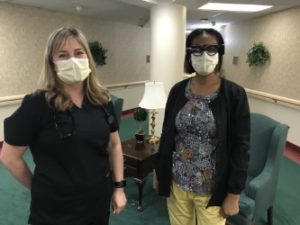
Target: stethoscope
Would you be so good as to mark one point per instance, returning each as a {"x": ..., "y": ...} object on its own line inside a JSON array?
[{"x": 64, "y": 122}]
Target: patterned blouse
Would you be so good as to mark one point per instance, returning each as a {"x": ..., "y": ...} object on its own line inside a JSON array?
[{"x": 194, "y": 158}]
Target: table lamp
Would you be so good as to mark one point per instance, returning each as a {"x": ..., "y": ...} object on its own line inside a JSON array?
[{"x": 154, "y": 98}]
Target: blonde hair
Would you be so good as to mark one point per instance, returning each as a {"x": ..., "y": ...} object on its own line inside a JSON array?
[{"x": 53, "y": 86}]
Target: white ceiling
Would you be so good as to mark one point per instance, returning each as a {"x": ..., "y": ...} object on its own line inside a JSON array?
[{"x": 137, "y": 12}]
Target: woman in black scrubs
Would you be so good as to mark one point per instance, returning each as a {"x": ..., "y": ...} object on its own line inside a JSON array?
[{"x": 71, "y": 129}]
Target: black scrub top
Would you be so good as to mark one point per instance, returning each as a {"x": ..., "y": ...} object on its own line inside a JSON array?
[{"x": 71, "y": 182}]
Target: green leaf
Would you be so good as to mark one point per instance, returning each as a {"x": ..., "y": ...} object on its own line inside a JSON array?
[
  {"x": 140, "y": 114},
  {"x": 98, "y": 53},
  {"x": 258, "y": 54}
]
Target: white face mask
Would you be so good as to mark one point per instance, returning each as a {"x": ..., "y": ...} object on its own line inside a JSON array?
[
  {"x": 204, "y": 64},
  {"x": 73, "y": 70}
]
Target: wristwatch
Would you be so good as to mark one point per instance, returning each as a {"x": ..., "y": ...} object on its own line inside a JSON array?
[{"x": 120, "y": 184}]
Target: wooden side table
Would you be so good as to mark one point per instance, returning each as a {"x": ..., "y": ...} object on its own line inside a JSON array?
[{"x": 139, "y": 162}]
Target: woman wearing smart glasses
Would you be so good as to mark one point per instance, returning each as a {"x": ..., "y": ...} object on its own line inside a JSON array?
[
  {"x": 71, "y": 129},
  {"x": 203, "y": 154}
]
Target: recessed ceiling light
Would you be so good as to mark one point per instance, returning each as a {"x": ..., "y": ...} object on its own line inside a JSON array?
[
  {"x": 151, "y": 1},
  {"x": 217, "y": 26},
  {"x": 203, "y": 20},
  {"x": 78, "y": 8},
  {"x": 234, "y": 7}
]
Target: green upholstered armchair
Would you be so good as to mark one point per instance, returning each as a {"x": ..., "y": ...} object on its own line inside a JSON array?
[
  {"x": 268, "y": 139},
  {"x": 118, "y": 106}
]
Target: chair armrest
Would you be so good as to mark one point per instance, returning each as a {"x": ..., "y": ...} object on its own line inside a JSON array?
[
  {"x": 118, "y": 106},
  {"x": 258, "y": 187},
  {"x": 261, "y": 190},
  {"x": 263, "y": 185}
]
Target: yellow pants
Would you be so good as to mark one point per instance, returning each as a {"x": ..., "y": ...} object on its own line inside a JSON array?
[{"x": 187, "y": 208}]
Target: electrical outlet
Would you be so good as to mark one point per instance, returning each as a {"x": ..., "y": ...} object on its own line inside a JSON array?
[
  {"x": 147, "y": 58},
  {"x": 235, "y": 60}
]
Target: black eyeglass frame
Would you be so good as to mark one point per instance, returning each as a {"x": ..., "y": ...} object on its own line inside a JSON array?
[{"x": 211, "y": 50}]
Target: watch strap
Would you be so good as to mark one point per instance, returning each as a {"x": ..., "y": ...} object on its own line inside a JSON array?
[{"x": 120, "y": 184}]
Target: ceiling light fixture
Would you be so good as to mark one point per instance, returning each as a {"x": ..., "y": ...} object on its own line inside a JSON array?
[
  {"x": 78, "y": 8},
  {"x": 151, "y": 1},
  {"x": 213, "y": 24},
  {"x": 234, "y": 7},
  {"x": 204, "y": 20}
]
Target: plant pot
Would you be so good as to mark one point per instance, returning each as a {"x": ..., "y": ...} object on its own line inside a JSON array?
[{"x": 140, "y": 138}]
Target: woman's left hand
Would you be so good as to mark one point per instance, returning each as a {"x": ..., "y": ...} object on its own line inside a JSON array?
[
  {"x": 118, "y": 200},
  {"x": 230, "y": 206}
]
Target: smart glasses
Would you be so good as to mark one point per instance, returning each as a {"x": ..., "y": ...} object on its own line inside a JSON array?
[{"x": 211, "y": 50}]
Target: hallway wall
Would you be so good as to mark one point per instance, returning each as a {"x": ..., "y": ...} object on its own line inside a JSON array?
[
  {"x": 25, "y": 30},
  {"x": 280, "y": 32}
]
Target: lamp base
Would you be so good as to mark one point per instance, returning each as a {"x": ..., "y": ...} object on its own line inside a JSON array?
[{"x": 153, "y": 139}]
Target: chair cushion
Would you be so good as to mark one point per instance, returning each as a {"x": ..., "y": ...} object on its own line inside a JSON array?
[{"x": 261, "y": 132}]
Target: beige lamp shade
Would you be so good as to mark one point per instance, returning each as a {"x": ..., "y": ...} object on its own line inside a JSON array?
[{"x": 154, "y": 96}]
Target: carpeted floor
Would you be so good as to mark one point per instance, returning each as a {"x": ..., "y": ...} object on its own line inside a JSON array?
[
  {"x": 287, "y": 202},
  {"x": 155, "y": 212},
  {"x": 14, "y": 199}
]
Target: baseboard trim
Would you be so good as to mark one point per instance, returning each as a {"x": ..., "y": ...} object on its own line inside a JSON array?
[
  {"x": 127, "y": 113},
  {"x": 293, "y": 147}
]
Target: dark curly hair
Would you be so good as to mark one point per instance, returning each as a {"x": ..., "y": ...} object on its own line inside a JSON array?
[{"x": 188, "y": 68}]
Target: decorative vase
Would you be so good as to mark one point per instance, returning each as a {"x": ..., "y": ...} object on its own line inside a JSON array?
[{"x": 140, "y": 138}]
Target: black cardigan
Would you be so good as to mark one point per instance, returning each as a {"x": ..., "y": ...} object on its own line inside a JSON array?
[{"x": 231, "y": 111}]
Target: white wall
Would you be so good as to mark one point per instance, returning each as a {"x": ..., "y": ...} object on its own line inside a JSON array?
[
  {"x": 280, "y": 33},
  {"x": 25, "y": 30},
  {"x": 282, "y": 113},
  {"x": 133, "y": 94}
]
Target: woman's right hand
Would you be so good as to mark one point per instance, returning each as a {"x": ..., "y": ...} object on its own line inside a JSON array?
[{"x": 230, "y": 206}]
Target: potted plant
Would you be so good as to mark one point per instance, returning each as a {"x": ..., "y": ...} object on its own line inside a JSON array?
[
  {"x": 258, "y": 54},
  {"x": 98, "y": 53},
  {"x": 140, "y": 115}
]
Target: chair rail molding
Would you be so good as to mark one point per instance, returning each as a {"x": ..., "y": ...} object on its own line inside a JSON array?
[
  {"x": 274, "y": 98},
  {"x": 7, "y": 99}
]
